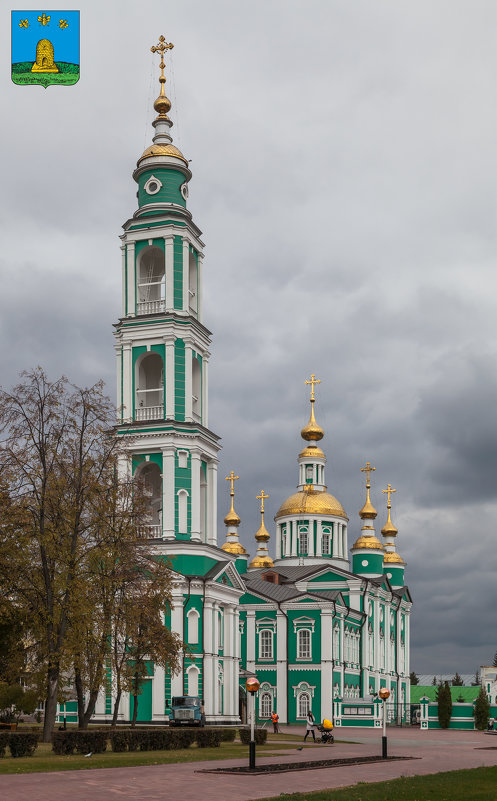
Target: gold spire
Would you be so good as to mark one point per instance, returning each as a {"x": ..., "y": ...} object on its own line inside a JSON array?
[
  {"x": 232, "y": 545},
  {"x": 262, "y": 558},
  {"x": 162, "y": 104},
  {"x": 389, "y": 529},
  {"x": 312, "y": 432},
  {"x": 368, "y": 512}
]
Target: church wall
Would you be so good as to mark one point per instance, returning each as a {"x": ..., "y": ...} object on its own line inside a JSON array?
[{"x": 169, "y": 192}]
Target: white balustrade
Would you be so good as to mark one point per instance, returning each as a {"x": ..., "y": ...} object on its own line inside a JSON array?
[{"x": 150, "y": 412}]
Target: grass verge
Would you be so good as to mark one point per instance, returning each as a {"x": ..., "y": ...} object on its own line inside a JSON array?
[{"x": 478, "y": 784}]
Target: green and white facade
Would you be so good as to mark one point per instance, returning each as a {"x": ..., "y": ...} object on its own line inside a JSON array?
[{"x": 314, "y": 629}]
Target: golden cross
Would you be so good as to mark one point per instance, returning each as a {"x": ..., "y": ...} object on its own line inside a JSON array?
[
  {"x": 161, "y": 48},
  {"x": 368, "y": 469},
  {"x": 389, "y": 491},
  {"x": 262, "y": 498},
  {"x": 232, "y": 478},
  {"x": 313, "y": 381}
]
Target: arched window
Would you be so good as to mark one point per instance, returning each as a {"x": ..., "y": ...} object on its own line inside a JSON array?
[
  {"x": 182, "y": 512},
  {"x": 150, "y": 478},
  {"x": 265, "y": 705},
  {"x": 303, "y": 705},
  {"x": 192, "y": 681},
  {"x": 303, "y": 541},
  {"x": 192, "y": 285},
  {"x": 304, "y": 644},
  {"x": 266, "y": 644},
  {"x": 308, "y": 474},
  {"x": 149, "y": 383},
  {"x": 193, "y": 618},
  {"x": 325, "y": 548},
  {"x": 150, "y": 284}
]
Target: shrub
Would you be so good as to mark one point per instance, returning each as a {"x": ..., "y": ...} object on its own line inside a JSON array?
[
  {"x": 228, "y": 735},
  {"x": 481, "y": 710},
  {"x": 444, "y": 705},
  {"x": 183, "y": 738},
  {"x": 66, "y": 742},
  {"x": 209, "y": 738},
  {"x": 4, "y": 739},
  {"x": 260, "y": 736},
  {"x": 62, "y": 742},
  {"x": 23, "y": 743},
  {"x": 134, "y": 740},
  {"x": 119, "y": 741}
]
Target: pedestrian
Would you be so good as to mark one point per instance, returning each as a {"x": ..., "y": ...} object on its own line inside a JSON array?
[
  {"x": 310, "y": 726},
  {"x": 275, "y": 719}
]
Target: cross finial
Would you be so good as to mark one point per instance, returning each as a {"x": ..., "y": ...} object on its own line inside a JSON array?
[
  {"x": 262, "y": 498},
  {"x": 389, "y": 491},
  {"x": 161, "y": 48},
  {"x": 368, "y": 469},
  {"x": 313, "y": 380},
  {"x": 232, "y": 478}
]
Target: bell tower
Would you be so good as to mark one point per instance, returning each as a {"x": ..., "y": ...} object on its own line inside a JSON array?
[{"x": 162, "y": 345}]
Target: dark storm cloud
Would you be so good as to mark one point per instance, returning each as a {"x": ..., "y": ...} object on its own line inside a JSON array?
[{"x": 343, "y": 160}]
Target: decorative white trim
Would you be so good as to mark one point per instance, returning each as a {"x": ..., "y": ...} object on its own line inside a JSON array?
[
  {"x": 152, "y": 180},
  {"x": 303, "y": 623}
]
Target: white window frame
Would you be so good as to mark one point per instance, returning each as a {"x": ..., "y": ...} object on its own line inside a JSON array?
[
  {"x": 266, "y": 644},
  {"x": 304, "y": 698},
  {"x": 192, "y": 617},
  {"x": 304, "y": 652},
  {"x": 263, "y": 702}
]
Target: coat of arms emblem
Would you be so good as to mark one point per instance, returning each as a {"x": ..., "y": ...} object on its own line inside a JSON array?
[{"x": 45, "y": 47}]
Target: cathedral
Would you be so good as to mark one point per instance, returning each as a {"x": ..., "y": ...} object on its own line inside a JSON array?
[{"x": 321, "y": 631}]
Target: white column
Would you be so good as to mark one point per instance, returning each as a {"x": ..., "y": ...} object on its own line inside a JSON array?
[
  {"x": 186, "y": 275},
  {"x": 119, "y": 380},
  {"x": 208, "y": 679},
  {"x": 344, "y": 541},
  {"x": 278, "y": 542},
  {"x": 236, "y": 660},
  {"x": 177, "y": 628},
  {"x": 250, "y": 640},
  {"x": 293, "y": 534},
  {"x": 188, "y": 380},
  {"x": 211, "y": 503},
  {"x": 310, "y": 538},
  {"x": 215, "y": 652},
  {"x": 169, "y": 377},
  {"x": 199, "y": 284},
  {"x": 281, "y": 667},
  {"x": 168, "y": 483},
  {"x": 342, "y": 654},
  {"x": 195, "y": 494},
  {"x": 229, "y": 659},
  {"x": 205, "y": 388},
  {"x": 127, "y": 381},
  {"x": 158, "y": 693},
  {"x": 319, "y": 539},
  {"x": 326, "y": 662},
  {"x": 407, "y": 647},
  {"x": 169, "y": 267},
  {"x": 130, "y": 248},
  {"x": 124, "y": 287}
]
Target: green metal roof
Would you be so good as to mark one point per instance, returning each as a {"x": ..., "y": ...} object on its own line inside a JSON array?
[{"x": 419, "y": 690}]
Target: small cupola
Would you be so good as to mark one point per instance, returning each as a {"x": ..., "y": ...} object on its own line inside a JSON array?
[{"x": 261, "y": 558}]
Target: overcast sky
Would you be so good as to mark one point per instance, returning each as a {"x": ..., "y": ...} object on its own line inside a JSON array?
[{"x": 344, "y": 177}]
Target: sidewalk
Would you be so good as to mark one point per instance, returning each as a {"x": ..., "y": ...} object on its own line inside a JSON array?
[{"x": 436, "y": 751}]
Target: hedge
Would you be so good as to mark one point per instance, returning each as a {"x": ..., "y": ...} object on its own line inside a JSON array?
[
  {"x": 4, "y": 739},
  {"x": 82, "y": 741},
  {"x": 209, "y": 738},
  {"x": 228, "y": 735},
  {"x": 259, "y": 734},
  {"x": 151, "y": 739},
  {"x": 23, "y": 743}
]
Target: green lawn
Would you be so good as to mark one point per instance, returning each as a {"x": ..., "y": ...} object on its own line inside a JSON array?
[
  {"x": 479, "y": 784},
  {"x": 45, "y": 760}
]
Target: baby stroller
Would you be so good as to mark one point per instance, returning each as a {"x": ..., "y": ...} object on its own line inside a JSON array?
[{"x": 326, "y": 731}]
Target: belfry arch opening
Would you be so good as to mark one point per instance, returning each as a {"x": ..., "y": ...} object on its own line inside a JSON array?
[
  {"x": 192, "y": 285},
  {"x": 196, "y": 390},
  {"x": 149, "y": 477},
  {"x": 149, "y": 382},
  {"x": 151, "y": 281}
]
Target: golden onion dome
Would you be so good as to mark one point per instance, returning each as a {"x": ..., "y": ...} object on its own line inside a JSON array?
[
  {"x": 261, "y": 561},
  {"x": 162, "y": 150},
  {"x": 393, "y": 558},
  {"x": 368, "y": 512},
  {"x": 234, "y": 548},
  {"x": 312, "y": 432},
  {"x": 311, "y": 502},
  {"x": 389, "y": 529},
  {"x": 262, "y": 534},
  {"x": 311, "y": 452},
  {"x": 367, "y": 542},
  {"x": 162, "y": 105},
  {"x": 232, "y": 518}
]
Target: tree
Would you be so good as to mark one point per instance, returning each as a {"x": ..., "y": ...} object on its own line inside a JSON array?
[
  {"x": 444, "y": 699},
  {"x": 434, "y": 681},
  {"x": 457, "y": 681},
  {"x": 55, "y": 455},
  {"x": 494, "y": 663},
  {"x": 476, "y": 681},
  {"x": 414, "y": 678},
  {"x": 481, "y": 710}
]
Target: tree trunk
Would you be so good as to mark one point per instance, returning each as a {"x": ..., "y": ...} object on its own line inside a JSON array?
[
  {"x": 79, "y": 694},
  {"x": 116, "y": 707},
  {"x": 51, "y": 702},
  {"x": 135, "y": 711},
  {"x": 90, "y": 709}
]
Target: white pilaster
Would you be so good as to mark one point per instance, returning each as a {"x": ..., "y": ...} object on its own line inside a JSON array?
[
  {"x": 293, "y": 534},
  {"x": 177, "y": 628},
  {"x": 130, "y": 249},
  {"x": 186, "y": 275},
  {"x": 208, "y": 685},
  {"x": 195, "y": 494},
  {"x": 310, "y": 538},
  {"x": 124, "y": 287},
  {"x": 169, "y": 377},
  {"x": 326, "y": 663},
  {"x": 168, "y": 482},
  {"x": 250, "y": 640},
  {"x": 212, "y": 503},
  {"x": 205, "y": 388},
  {"x": 319, "y": 539},
  {"x": 169, "y": 266},
  {"x": 158, "y": 693},
  {"x": 281, "y": 666},
  {"x": 127, "y": 381},
  {"x": 278, "y": 541},
  {"x": 188, "y": 381},
  {"x": 199, "y": 284},
  {"x": 215, "y": 652}
]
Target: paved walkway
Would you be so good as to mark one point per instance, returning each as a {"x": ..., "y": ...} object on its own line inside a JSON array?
[{"x": 437, "y": 751}]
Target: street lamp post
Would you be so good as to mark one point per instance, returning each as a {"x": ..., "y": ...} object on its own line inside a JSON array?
[
  {"x": 252, "y": 685},
  {"x": 384, "y": 694}
]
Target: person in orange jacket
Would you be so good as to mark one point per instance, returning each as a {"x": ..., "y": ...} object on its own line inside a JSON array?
[{"x": 275, "y": 719}]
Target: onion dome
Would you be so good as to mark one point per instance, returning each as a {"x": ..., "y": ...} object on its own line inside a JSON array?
[
  {"x": 368, "y": 512},
  {"x": 312, "y": 432},
  {"x": 232, "y": 521},
  {"x": 392, "y": 557},
  {"x": 312, "y": 502},
  {"x": 311, "y": 452},
  {"x": 367, "y": 538},
  {"x": 367, "y": 541},
  {"x": 262, "y": 558},
  {"x": 389, "y": 531},
  {"x": 162, "y": 150}
]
